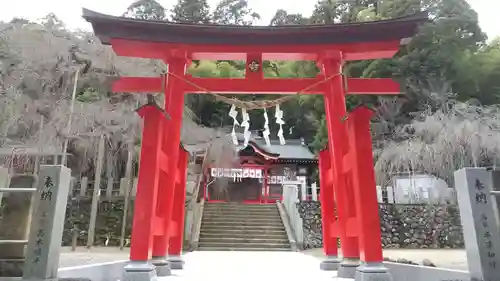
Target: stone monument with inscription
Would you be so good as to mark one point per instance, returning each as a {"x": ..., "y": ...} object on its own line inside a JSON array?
[
  {"x": 44, "y": 245},
  {"x": 482, "y": 235}
]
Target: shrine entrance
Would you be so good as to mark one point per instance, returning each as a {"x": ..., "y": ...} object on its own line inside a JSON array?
[
  {"x": 261, "y": 172},
  {"x": 346, "y": 165}
]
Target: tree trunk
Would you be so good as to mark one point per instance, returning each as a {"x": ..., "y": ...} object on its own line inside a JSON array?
[
  {"x": 129, "y": 176},
  {"x": 97, "y": 192}
]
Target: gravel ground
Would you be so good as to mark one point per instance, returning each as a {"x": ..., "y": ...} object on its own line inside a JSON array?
[
  {"x": 446, "y": 258},
  {"x": 453, "y": 259},
  {"x": 83, "y": 256}
]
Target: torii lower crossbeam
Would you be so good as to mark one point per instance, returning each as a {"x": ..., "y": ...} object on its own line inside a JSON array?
[{"x": 355, "y": 86}]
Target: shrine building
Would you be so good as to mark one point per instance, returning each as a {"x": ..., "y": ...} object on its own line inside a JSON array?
[{"x": 260, "y": 172}]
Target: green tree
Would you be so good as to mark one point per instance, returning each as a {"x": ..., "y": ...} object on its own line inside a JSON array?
[
  {"x": 191, "y": 11},
  {"x": 234, "y": 12},
  {"x": 146, "y": 10},
  {"x": 282, "y": 17}
]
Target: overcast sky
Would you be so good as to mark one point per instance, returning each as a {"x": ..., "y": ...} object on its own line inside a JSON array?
[{"x": 69, "y": 11}]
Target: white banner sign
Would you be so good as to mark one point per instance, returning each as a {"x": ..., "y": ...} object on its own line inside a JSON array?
[{"x": 236, "y": 173}]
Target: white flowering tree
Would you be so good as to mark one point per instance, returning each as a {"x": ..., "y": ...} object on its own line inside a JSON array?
[{"x": 457, "y": 135}]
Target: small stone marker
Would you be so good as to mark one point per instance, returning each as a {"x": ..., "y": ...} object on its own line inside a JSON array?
[
  {"x": 481, "y": 231},
  {"x": 42, "y": 253}
]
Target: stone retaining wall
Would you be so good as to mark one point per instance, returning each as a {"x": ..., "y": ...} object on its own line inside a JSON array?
[
  {"x": 402, "y": 226},
  {"x": 108, "y": 224}
]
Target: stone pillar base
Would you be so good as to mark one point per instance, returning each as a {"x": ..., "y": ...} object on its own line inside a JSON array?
[
  {"x": 330, "y": 264},
  {"x": 162, "y": 266},
  {"x": 176, "y": 262},
  {"x": 372, "y": 271},
  {"x": 140, "y": 271},
  {"x": 347, "y": 268}
]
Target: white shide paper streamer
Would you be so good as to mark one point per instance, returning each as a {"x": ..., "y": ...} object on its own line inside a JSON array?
[
  {"x": 233, "y": 114},
  {"x": 266, "y": 132},
  {"x": 246, "y": 124},
  {"x": 280, "y": 122}
]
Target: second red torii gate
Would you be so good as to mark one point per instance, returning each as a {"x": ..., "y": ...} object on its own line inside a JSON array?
[{"x": 347, "y": 176}]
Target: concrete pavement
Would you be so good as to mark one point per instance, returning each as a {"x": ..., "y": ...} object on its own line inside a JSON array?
[{"x": 446, "y": 258}]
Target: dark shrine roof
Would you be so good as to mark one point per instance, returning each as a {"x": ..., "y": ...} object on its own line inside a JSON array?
[
  {"x": 107, "y": 27},
  {"x": 292, "y": 149}
]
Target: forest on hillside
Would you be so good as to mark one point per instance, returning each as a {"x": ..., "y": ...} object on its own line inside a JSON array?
[{"x": 448, "y": 117}]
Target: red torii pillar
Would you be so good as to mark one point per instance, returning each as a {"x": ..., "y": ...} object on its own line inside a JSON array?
[
  {"x": 174, "y": 104},
  {"x": 335, "y": 112},
  {"x": 327, "y": 199},
  {"x": 145, "y": 218},
  {"x": 359, "y": 162},
  {"x": 178, "y": 214},
  {"x": 162, "y": 168},
  {"x": 347, "y": 175}
]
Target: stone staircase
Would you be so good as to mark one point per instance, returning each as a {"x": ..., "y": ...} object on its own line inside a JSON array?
[{"x": 242, "y": 227}]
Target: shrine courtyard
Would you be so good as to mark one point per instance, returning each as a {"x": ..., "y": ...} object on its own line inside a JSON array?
[{"x": 444, "y": 258}]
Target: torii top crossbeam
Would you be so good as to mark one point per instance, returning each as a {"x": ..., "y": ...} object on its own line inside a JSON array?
[
  {"x": 165, "y": 40},
  {"x": 360, "y": 41}
]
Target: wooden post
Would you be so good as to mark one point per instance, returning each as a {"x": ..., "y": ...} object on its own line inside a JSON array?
[
  {"x": 84, "y": 184},
  {"x": 380, "y": 198},
  {"x": 47, "y": 225},
  {"x": 38, "y": 157},
  {"x": 314, "y": 190},
  {"x": 97, "y": 192},
  {"x": 109, "y": 173},
  {"x": 303, "y": 191},
  {"x": 390, "y": 195}
]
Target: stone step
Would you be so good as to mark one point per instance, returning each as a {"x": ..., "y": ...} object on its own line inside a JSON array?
[
  {"x": 271, "y": 219},
  {"x": 234, "y": 245},
  {"x": 241, "y": 217},
  {"x": 244, "y": 223},
  {"x": 244, "y": 240},
  {"x": 242, "y": 212},
  {"x": 210, "y": 248},
  {"x": 240, "y": 234},
  {"x": 257, "y": 207},
  {"x": 241, "y": 227}
]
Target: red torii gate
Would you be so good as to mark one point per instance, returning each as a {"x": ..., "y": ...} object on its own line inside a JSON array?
[{"x": 347, "y": 176}]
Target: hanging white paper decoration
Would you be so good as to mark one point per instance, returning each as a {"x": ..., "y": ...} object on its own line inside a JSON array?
[
  {"x": 266, "y": 132},
  {"x": 246, "y": 124},
  {"x": 233, "y": 114},
  {"x": 280, "y": 122}
]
